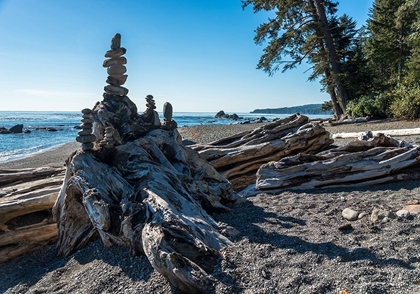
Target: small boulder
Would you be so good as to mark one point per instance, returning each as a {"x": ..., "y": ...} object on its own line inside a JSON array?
[{"x": 17, "y": 129}]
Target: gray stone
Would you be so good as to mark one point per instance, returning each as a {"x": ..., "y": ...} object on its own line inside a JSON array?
[
  {"x": 112, "y": 61},
  {"x": 116, "y": 90},
  {"x": 350, "y": 214},
  {"x": 115, "y": 53},
  {"x": 116, "y": 69},
  {"x": 117, "y": 80},
  {"x": 87, "y": 120},
  {"x": 85, "y": 132},
  {"x": 86, "y": 139},
  {"x": 167, "y": 111},
  {"x": 116, "y": 41},
  {"x": 87, "y": 146},
  {"x": 87, "y": 111},
  {"x": 86, "y": 126},
  {"x": 381, "y": 216}
]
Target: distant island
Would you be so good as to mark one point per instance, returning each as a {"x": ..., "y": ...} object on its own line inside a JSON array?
[{"x": 312, "y": 109}]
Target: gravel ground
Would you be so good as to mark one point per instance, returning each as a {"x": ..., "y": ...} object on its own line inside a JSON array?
[{"x": 292, "y": 242}]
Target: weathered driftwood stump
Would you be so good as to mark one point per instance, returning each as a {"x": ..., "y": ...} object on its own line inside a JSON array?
[
  {"x": 372, "y": 161},
  {"x": 26, "y": 200},
  {"x": 239, "y": 157},
  {"x": 147, "y": 194}
]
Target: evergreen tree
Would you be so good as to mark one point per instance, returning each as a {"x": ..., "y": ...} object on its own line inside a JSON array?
[{"x": 301, "y": 31}]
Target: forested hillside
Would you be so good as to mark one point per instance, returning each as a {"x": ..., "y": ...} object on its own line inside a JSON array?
[{"x": 311, "y": 109}]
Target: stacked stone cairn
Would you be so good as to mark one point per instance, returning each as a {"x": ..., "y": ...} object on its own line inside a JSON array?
[
  {"x": 150, "y": 115},
  {"x": 109, "y": 140},
  {"x": 168, "y": 123},
  {"x": 117, "y": 118},
  {"x": 85, "y": 135},
  {"x": 115, "y": 68}
]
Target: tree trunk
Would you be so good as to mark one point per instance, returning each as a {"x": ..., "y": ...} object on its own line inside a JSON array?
[{"x": 333, "y": 59}]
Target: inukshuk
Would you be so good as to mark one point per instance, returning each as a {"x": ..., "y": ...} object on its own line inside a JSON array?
[{"x": 140, "y": 187}]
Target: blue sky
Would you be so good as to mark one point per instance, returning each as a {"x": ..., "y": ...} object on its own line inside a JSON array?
[{"x": 199, "y": 55}]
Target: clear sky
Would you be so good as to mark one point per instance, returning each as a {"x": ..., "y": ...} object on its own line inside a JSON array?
[{"x": 197, "y": 54}]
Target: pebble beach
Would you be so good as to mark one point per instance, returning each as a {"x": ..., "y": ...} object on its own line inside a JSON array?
[{"x": 292, "y": 242}]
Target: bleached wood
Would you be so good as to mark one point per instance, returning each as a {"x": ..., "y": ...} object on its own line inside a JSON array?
[
  {"x": 396, "y": 132},
  {"x": 338, "y": 166}
]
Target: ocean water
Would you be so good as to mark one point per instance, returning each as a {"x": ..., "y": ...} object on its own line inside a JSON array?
[{"x": 18, "y": 146}]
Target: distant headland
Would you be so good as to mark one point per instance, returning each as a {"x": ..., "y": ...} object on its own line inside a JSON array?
[{"x": 312, "y": 109}]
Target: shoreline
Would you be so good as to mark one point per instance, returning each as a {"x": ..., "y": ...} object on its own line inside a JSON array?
[{"x": 202, "y": 134}]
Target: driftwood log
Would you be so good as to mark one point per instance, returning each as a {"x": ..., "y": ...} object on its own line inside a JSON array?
[
  {"x": 376, "y": 160},
  {"x": 26, "y": 200},
  {"x": 238, "y": 157}
]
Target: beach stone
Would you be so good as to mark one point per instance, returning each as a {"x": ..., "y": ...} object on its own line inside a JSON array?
[
  {"x": 403, "y": 213},
  {"x": 112, "y": 61},
  {"x": 85, "y": 132},
  {"x": 361, "y": 215},
  {"x": 87, "y": 111},
  {"x": 116, "y": 90},
  {"x": 116, "y": 41},
  {"x": 117, "y": 80},
  {"x": 86, "y": 139},
  {"x": 86, "y": 126},
  {"x": 381, "y": 216},
  {"x": 87, "y": 146},
  {"x": 350, "y": 214},
  {"x": 115, "y": 53},
  {"x": 116, "y": 69},
  {"x": 87, "y": 120},
  {"x": 412, "y": 208},
  {"x": 17, "y": 129}
]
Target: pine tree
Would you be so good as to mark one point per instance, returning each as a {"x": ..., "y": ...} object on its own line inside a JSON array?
[{"x": 301, "y": 30}]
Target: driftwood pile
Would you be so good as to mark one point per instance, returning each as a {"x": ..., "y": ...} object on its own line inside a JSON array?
[
  {"x": 238, "y": 157},
  {"x": 367, "y": 161},
  {"x": 26, "y": 200}
]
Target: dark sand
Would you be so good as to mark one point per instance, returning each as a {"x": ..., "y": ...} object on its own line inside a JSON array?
[{"x": 288, "y": 243}]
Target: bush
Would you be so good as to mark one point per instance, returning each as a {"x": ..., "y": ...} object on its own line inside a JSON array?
[
  {"x": 375, "y": 106},
  {"x": 406, "y": 102}
]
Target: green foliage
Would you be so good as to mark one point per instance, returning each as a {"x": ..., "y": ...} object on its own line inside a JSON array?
[
  {"x": 375, "y": 106},
  {"x": 406, "y": 102},
  {"x": 326, "y": 106}
]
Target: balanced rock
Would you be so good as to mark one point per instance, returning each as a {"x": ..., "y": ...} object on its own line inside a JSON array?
[
  {"x": 117, "y": 80},
  {"x": 116, "y": 42},
  {"x": 115, "y": 53}
]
